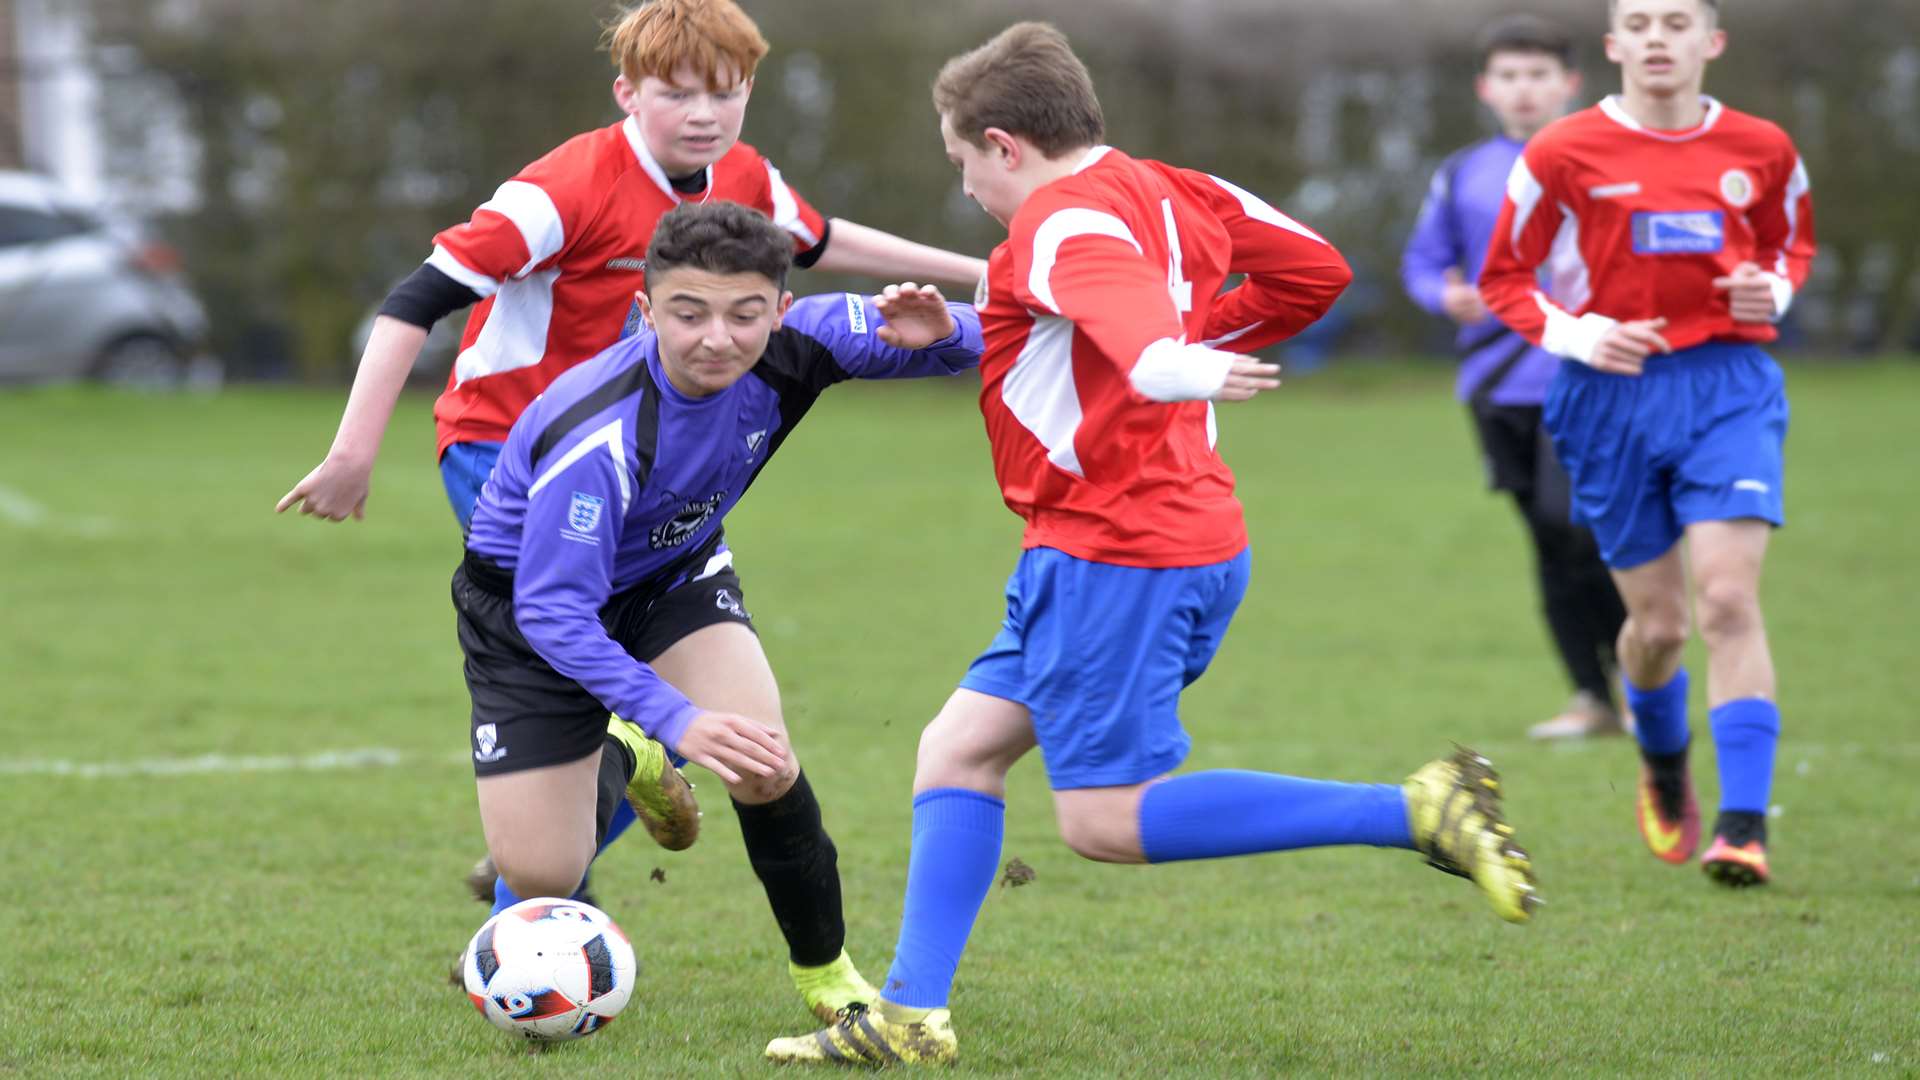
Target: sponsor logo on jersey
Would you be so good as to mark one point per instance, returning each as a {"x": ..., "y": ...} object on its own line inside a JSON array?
[
  {"x": 686, "y": 522},
  {"x": 627, "y": 262},
  {"x": 1737, "y": 187},
  {"x": 1614, "y": 191},
  {"x": 857, "y": 313},
  {"x": 754, "y": 440},
  {"x": 583, "y": 514},
  {"x": 980, "y": 293},
  {"x": 486, "y": 744},
  {"x": 1759, "y": 486},
  {"x": 1679, "y": 232}
]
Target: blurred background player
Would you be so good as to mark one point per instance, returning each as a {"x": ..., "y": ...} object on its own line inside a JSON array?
[
  {"x": 1108, "y": 338},
  {"x": 1676, "y": 230},
  {"x": 553, "y": 262},
  {"x": 1526, "y": 80},
  {"x": 597, "y": 575}
]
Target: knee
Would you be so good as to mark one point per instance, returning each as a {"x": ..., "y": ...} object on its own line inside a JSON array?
[
  {"x": 1662, "y": 629},
  {"x": 947, "y": 758},
  {"x": 543, "y": 873},
  {"x": 758, "y": 790},
  {"x": 1101, "y": 839},
  {"x": 1727, "y": 611}
]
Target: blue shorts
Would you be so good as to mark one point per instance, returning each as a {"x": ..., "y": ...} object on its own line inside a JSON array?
[
  {"x": 1698, "y": 436},
  {"x": 464, "y": 469},
  {"x": 1099, "y": 654}
]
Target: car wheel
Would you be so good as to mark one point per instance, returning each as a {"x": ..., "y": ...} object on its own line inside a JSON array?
[{"x": 142, "y": 362}]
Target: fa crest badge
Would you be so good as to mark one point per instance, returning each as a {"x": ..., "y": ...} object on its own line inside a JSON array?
[{"x": 584, "y": 515}]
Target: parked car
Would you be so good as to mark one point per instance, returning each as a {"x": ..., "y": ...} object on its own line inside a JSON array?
[{"x": 85, "y": 294}]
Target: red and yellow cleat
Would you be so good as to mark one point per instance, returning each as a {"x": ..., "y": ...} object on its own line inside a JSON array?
[
  {"x": 1669, "y": 818},
  {"x": 1738, "y": 856}
]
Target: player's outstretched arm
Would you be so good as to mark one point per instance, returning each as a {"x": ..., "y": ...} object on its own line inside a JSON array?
[
  {"x": 337, "y": 487},
  {"x": 854, "y": 248}
]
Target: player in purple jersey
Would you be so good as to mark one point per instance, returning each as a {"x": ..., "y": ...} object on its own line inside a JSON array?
[
  {"x": 1526, "y": 80},
  {"x": 597, "y": 577}
]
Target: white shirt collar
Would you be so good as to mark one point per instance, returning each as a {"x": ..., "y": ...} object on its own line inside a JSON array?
[
  {"x": 631, "y": 128},
  {"x": 1616, "y": 111}
]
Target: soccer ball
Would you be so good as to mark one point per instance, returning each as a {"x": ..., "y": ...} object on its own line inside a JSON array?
[{"x": 547, "y": 969}]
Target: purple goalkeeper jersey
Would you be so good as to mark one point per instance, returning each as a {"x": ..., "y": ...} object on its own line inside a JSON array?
[
  {"x": 1455, "y": 224},
  {"x": 612, "y": 479}
]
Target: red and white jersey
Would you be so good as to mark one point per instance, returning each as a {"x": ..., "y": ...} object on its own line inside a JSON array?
[
  {"x": 1634, "y": 223},
  {"x": 1104, "y": 279},
  {"x": 556, "y": 256}
]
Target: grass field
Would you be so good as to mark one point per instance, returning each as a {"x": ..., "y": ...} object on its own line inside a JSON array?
[{"x": 167, "y": 914}]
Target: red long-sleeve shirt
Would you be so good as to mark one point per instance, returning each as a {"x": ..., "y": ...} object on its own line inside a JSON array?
[
  {"x": 1633, "y": 223},
  {"x": 1090, "y": 385}
]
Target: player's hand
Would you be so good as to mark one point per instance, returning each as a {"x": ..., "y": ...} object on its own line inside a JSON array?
[
  {"x": 1624, "y": 349},
  {"x": 731, "y": 745},
  {"x": 1460, "y": 299},
  {"x": 1248, "y": 377},
  {"x": 1750, "y": 294},
  {"x": 916, "y": 315},
  {"x": 335, "y": 490}
]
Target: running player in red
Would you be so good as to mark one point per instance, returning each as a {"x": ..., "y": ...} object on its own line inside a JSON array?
[
  {"x": 1675, "y": 231},
  {"x": 1107, "y": 340},
  {"x": 554, "y": 262}
]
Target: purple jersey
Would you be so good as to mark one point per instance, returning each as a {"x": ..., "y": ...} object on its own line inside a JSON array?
[
  {"x": 1455, "y": 225},
  {"x": 612, "y": 478}
]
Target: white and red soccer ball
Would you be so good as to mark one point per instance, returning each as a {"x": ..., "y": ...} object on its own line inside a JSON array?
[{"x": 548, "y": 970}]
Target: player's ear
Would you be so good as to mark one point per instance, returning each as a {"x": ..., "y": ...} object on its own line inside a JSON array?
[
  {"x": 1613, "y": 49},
  {"x": 780, "y": 308},
  {"x": 1480, "y": 89},
  {"x": 626, "y": 95},
  {"x": 646, "y": 306},
  {"x": 1002, "y": 144},
  {"x": 1716, "y": 43}
]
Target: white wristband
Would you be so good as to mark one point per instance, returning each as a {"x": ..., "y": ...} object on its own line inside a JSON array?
[
  {"x": 1170, "y": 371},
  {"x": 1575, "y": 339}
]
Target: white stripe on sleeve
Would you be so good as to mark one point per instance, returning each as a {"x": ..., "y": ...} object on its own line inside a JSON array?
[
  {"x": 1059, "y": 228},
  {"x": 532, "y": 212}
]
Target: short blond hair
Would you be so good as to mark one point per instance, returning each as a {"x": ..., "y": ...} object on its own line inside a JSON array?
[
  {"x": 1026, "y": 82},
  {"x": 712, "y": 37}
]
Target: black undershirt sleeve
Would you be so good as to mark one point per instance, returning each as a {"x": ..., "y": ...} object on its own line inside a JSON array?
[
  {"x": 807, "y": 258},
  {"x": 426, "y": 297}
]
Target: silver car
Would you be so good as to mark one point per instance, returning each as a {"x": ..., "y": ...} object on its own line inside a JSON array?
[{"x": 86, "y": 295}]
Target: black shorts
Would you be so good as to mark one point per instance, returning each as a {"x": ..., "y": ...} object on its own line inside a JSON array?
[
  {"x": 527, "y": 715},
  {"x": 1518, "y": 455}
]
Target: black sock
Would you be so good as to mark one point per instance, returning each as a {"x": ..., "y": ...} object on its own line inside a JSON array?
[
  {"x": 616, "y": 772},
  {"x": 796, "y": 861},
  {"x": 1578, "y": 598}
]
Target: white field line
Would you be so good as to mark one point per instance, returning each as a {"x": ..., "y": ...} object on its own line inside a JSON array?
[
  {"x": 18, "y": 509},
  {"x": 368, "y": 758}
]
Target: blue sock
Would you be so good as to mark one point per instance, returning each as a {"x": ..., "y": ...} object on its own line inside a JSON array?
[
  {"x": 1660, "y": 716},
  {"x": 1744, "y": 735},
  {"x": 956, "y": 852},
  {"x": 623, "y": 817},
  {"x": 1211, "y": 815}
]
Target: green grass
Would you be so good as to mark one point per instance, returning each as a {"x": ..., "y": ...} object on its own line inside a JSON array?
[{"x": 301, "y": 922}]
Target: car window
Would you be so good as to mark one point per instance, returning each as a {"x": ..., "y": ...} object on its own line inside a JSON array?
[{"x": 21, "y": 225}]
